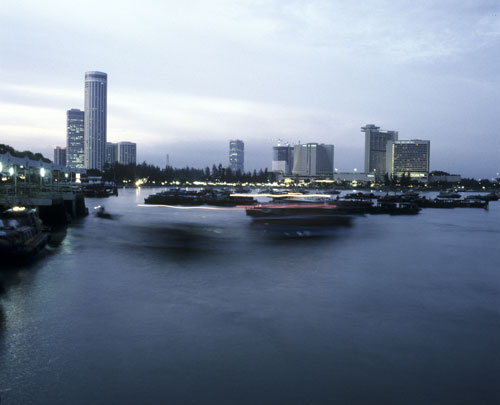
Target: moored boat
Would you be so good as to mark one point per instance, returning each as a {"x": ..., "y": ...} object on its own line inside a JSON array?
[
  {"x": 448, "y": 194},
  {"x": 21, "y": 232}
]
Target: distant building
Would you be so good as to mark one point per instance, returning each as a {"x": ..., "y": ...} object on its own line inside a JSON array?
[
  {"x": 375, "y": 148},
  {"x": 126, "y": 153},
  {"x": 445, "y": 178},
  {"x": 354, "y": 176},
  {"x": 312, "y": 160},
  {"x": 74, "y": 138},
  {"x": 410, "y": 158},
  {"x": 60, "y": 155},
  {"x": 96, "y": 89},
  {"x": 236, "y": 155},
  {"x": 111, "y": 152},
  {"x": 282, "y": 159}
]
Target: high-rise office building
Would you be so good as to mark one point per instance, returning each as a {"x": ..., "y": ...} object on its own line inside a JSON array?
[
  {"x": 313, "y": 160},
  {"x": 375, "y": 148},
  {"x": 410, "y": 158},
  {"x": 111, "y": 152},
  {"x": 236, "y": 155},
  {"x": 126, "y": 153},
  {"x": 74, "y": 138},
  {"x": 282, "y": 159},
  {"x": 60, "y": 155},
  {"x": 96, "y": 88}
]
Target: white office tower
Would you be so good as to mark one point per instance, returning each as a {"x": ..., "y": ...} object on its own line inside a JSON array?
[
  {"x": 96, "y": 88},
  {"x": 126, "y": 153},
  {"x": 313, "y": 160}
]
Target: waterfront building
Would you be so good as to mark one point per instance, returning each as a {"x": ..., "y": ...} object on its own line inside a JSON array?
[
  {"x": 375, "y": 148},
  {"x": 410, "y": 158},
  {"x": 60, "y": 155},
  {"x": 126, "y": 153},
  {"x": 444, "y": 178},
  {"x": 282, "y": 163},
  {"x": 313, "y": 160},
  {"x": 96, "y": 85},
  {"x": 74, "y": 138},
  {"x": 236, "y": 155},
  {"x": 111, "y": 152},
  {"x": 354, "y": 176}
]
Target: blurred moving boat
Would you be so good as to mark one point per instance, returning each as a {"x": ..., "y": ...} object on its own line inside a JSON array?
[
  {"x": 483, "y": 197},
  {"x": 448, "y": 194},
  {"x": 299, "y": 213},
  {"x": 21, "y": 232}
]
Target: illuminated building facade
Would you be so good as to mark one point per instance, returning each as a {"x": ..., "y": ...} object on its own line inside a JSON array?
[
  {"x": 96, "y": 88},
  {"x": 282, "y": 159},
  {"x": 375, "y": 148},
  {"x": 74, "y": 138},
  {"x": 60, "y": 155},
  {"x": 410, "y": 158},
  {"x": 236, "y": 155},
  {"x": 313, "y": 160}
]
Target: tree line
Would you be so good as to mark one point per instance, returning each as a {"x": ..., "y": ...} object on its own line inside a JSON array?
[{"x": 118, "y": 173}]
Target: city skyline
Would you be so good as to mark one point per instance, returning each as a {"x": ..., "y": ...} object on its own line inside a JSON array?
[{"x": 301, "y": 71}]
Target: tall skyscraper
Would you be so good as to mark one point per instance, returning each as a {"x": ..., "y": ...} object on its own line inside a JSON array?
[
  {"x": 60, "y": 155},
  {"x": 74, "y": 138},
  {"x": 313, "y": 160},
  {"x": 410, "y": 158},
  {"x": 96, "y": 88},
  {"x": 282, "y": 159},
  {"x": 126, "y": 152},
  {"x": 236, "y": 155},
  {"x": 375, "y": 148}
]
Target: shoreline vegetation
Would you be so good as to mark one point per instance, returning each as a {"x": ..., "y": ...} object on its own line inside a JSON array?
[
  {"x": 148, "y": 175},
  {"x": 145, "y": 175}
]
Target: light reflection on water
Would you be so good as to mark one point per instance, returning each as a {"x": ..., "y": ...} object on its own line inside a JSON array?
[{"x": 161, "y": 305}]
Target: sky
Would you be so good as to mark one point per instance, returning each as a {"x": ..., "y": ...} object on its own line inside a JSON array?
[{"x": 186, "y": 77}]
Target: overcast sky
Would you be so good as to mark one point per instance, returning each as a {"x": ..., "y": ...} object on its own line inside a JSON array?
[{"x": 186, "y": 77}]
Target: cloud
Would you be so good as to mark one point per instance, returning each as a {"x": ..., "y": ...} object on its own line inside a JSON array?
[{"x": 188, "y": 73}]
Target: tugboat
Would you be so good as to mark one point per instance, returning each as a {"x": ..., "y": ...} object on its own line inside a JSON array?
[{"x": 21, "y": 232}]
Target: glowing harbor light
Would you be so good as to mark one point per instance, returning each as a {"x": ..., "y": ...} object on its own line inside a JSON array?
[
  {"x": 66, "y": 175},
  {"x": 42, "y": 172},
  {"x": 1, "y": 168},
  {"x": 11, "y": 171}
]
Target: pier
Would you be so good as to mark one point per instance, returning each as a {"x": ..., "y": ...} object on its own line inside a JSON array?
[{"x": 33, "y": 181}]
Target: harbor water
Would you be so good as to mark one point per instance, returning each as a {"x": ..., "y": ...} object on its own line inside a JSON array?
[{"x": 198, "y": 306}]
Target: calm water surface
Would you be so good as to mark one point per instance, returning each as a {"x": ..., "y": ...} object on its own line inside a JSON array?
[{"x": 175, "y": 306}]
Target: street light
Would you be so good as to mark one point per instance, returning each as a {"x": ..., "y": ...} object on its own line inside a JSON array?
[
  {"x": 42, "y": 174},
  {"x": 11, "y": 171}
]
